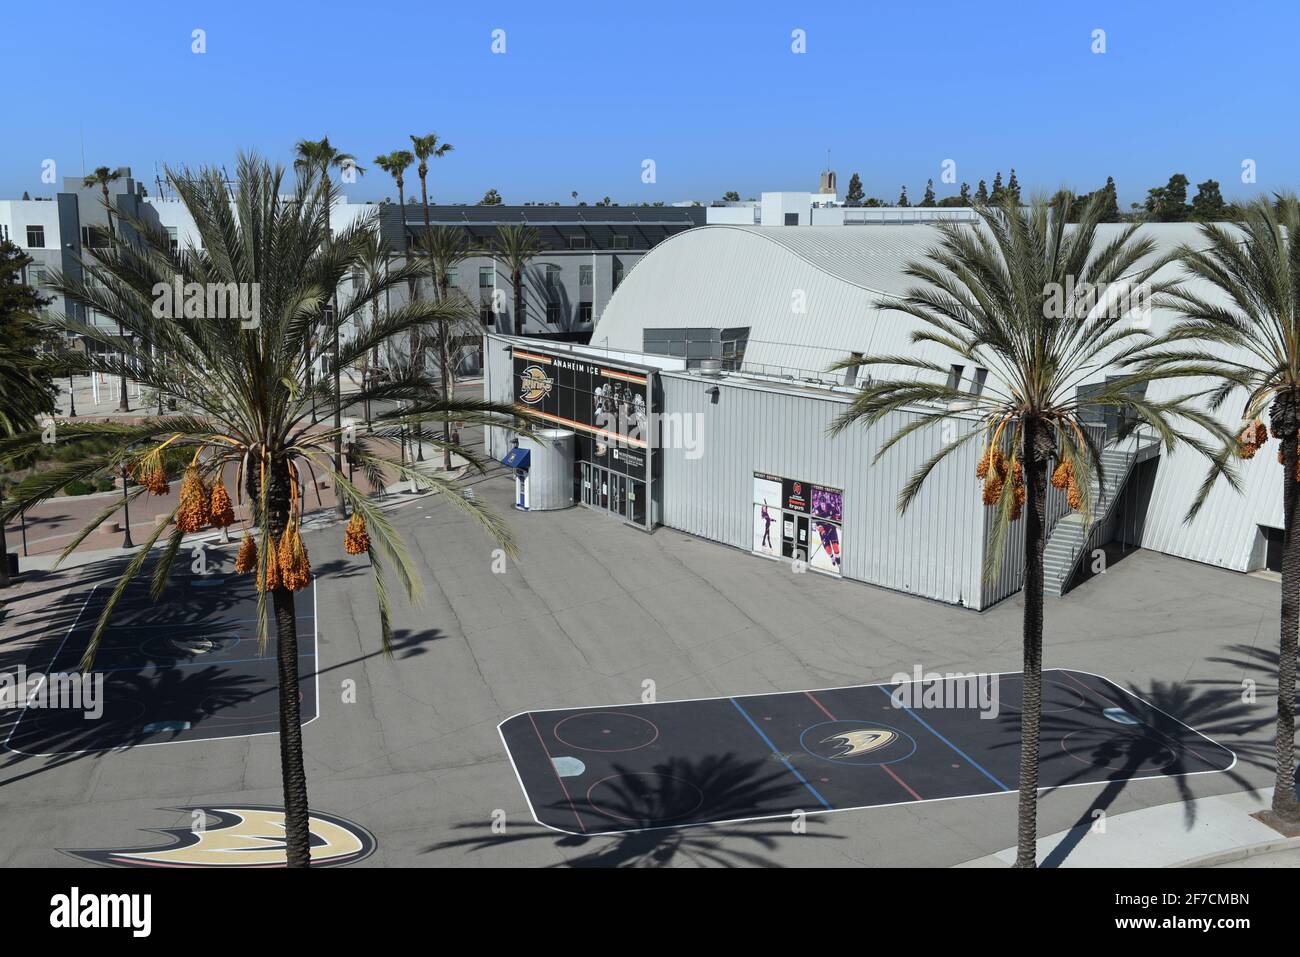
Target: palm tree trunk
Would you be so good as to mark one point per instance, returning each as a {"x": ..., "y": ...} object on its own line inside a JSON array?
[
  {"x": 297, "y": 830},
  {"x": 4, "y": 557},
  {"x": 1035, "y": 466},
  {"x": 517, "y": 280},
  {"x": 122, "y": 404},
  {"x": 293, "y": 776},
  {"x": 448, "y": 385},
  {"x": 1284, "y": 418}
]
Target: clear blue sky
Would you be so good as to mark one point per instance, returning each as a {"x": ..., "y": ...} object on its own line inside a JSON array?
[{"x": 710, "y": 91}]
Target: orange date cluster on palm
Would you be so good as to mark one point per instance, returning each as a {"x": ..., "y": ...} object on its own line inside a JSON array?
[
  {"x": 295, "y": 569},
  {"x": 1063, "y": 478},
  {"x": 150, "y": 473},
  {"x": 355, "y": 539},
  {"x": 246, "y": 559},
  {"x": 192, "y": 513},
  {"x": 221, "y": 511},
  {"x": 1252, "y": 439},
  {"x": 993, "y": 469}
]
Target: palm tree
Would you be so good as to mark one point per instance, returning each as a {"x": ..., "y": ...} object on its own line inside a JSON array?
[
  {"x": 246, "y": 405},
  {"x": 374, "y": 267},
  {"x": 446, "y": 248},
  {"x": 26, "y": 388},
  {"x": 1248, "y": 339},
  {"x": 425, "y": 147},
  {"x": 317, "y": 158},
  {"x": 516, "y": 245},
  {"x": 986, "y": 299},
  {"x": 395, "y": 164},
  {"x": 101, "y": 178}
]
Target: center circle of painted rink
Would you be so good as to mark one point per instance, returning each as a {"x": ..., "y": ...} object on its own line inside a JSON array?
[
  {"x": 644, "y": 797},
  {"x": 608, "y": 731},
  {"x": 900, "y": 748},
  {"x": 1072, "y": 693},
  {"x": 1102, "y": 748}
]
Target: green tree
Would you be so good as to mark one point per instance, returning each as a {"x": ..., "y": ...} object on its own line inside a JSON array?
[
  {"x": 516, "y": 245},
  {"x": 1168, "y": 204},
  {"x": 248, "y": 412},
  {"x": 1013, "y": 186},
  {"x": 986, "y": 297},
  {"x": 928, "y": 198},
  {"x": 26, "y": 375},
  {"x": 1110, "y": 204},
  {"x": 995, "y": 197},
  {"x": 902, "y": 198},
  {"x": 1208, "y": 205},
  {"x": 982, "y": 194},
  {"x": 1247, "y": 342},
  {"x": 101, "y": 177},
  {"x": 445, "y": 247},
  {"x": 490, "y": 198},
  {"x": 317, "y": 158},
  {"x": 731, "y": 196},
  {"x": 855, "y": 195},
  {"x": 426, "y": 148}
]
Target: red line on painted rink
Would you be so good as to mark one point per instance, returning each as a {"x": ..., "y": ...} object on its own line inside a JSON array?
[
  {"x": 547, "y": 751},
  {"x": 1113, "y": 704},
  {"x": 884, "y": 767}
]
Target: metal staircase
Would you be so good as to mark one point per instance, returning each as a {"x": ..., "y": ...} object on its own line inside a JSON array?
[{"x": 1069, "y": 541}]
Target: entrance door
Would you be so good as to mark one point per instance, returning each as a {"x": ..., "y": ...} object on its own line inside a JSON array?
[{"x": 617, "y": 493}]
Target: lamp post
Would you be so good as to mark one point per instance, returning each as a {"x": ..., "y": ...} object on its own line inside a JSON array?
[{"x": 126, "y": 511}]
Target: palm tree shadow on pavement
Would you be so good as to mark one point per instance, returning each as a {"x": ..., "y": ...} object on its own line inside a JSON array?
[
  {"x": 735, "y": 788},
  {"x": 1216, "y": 713}
]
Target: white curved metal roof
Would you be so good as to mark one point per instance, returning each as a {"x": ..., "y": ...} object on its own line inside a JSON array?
[{"x": 808, "y": 295}]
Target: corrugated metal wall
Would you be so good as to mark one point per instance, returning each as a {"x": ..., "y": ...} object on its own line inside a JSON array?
[{"x": 935, "y": 550}]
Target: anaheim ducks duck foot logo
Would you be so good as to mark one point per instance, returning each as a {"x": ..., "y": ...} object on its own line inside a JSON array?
[
  {"x": 856, "y": 742},
  {"x": 251, "y": 836},
  {"x": 859, "y": 741}
]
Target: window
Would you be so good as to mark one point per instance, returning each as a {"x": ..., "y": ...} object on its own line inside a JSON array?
[
  {"x": 554, "y": 313},
  {"x": 622, "y": 242},
  {"x": 977, "y": 380},
  {"x": 453, "y": 275},
  {"x": 486, "y": 277},
  {"x": 585, "y": 277},
  {"x": 792, "y": 219},
  {"x": 35, "y": 237},
  {"x": 954, "y": 376},
  {"x": 4, "y": 231},
  {"x": 552, "y": 275},
  {"x": 39, "y": 276},
  {"x": 173, "y": 241},
  {"x": 578, "y": 242},
  {"x": 485, "y": 312},
  {"x": 94, "y": 237},
  {"x": 618, "y": 273},
  {"x": 584, "y": 312}
]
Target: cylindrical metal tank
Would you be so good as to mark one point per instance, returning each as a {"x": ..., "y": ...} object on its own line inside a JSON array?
[{"x": 550, "y": 469}]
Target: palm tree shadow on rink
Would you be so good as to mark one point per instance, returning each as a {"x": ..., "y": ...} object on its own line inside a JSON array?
[
  {"x": 1218, "y": 713},
  {"x": 736, "y": 789}
]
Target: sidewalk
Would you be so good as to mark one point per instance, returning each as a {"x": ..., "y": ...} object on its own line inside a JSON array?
[{"x": 1223, "y": 833}]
